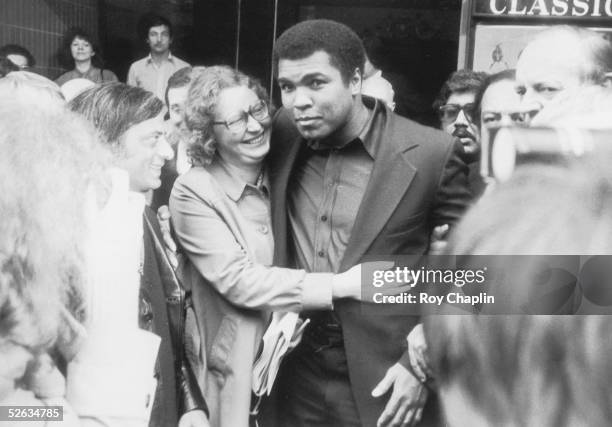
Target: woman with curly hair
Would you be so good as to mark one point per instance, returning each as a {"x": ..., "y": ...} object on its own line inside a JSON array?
[{"x": 221, "y": 213}]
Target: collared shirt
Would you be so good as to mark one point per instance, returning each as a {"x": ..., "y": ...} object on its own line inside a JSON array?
[
  {"x": 253, "y": 203},
  {"x": 94, "y": 74},
  {"x": 145, "y": 73},
  {"x": 326, "y": 191}
]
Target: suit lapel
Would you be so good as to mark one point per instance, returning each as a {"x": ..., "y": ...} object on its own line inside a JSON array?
[
  {"x": 279, "y": 176},
  {"x": 164, "y": 407},
  {"x": 391, "y": 176}
]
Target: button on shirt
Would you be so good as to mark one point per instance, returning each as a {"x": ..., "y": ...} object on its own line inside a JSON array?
[
  {"x": 145, "y": 73},
  {"x": 327, "y": 187},
  {"x": 253, "y": 203}
]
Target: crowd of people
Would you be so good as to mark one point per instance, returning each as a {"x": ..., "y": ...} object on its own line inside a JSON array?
[{"x": 152, "y": 229}]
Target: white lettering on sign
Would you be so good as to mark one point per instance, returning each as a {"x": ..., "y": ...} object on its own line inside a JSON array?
[
  {"x": 514, "y": 8},
  {"x": 596, "y": 7},
  {"x": 540, "y": 6},
  {"x": 572, "y": 8},
  {"x": 582, "y": 5},
  {"x": 559, "y": 4},
  {"x": 495, "y": 10}
]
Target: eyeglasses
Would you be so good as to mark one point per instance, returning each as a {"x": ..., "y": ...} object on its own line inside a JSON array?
[
  {"x": 238, "y": 123},
  {"x": 449, "y": 112}
]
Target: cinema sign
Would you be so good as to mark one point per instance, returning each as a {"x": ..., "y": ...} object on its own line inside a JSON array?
[{"x": 545, "y": 8}]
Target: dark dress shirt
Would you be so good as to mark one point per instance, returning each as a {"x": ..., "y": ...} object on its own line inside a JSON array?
[{"x": 322, "y": 220}]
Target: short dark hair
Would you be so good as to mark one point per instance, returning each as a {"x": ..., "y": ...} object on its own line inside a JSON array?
[
  {"x": 461, "y": 81},
  {"x": 180, "y": 78},
  {"x": 342, "y": 44},
  {"x": 115, "y": 107},
  {"x": 509, "y": 74},
  {"x": 374, "y": 48},
  {"x": 15, "y": 49},
  {"x": 80, "y": 33},
  {"x": 150, "y": 20},
  {"x": 6, "y": 66}
]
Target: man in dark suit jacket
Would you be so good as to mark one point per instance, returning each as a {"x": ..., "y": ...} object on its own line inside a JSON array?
[
  {"x": 131, "y": 120},
  {"x": 350, "y": 179},
  {"x": 163, "y": 312}
]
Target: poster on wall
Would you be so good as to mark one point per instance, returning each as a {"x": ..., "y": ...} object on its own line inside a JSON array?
[{"x": 497, "y": 47}]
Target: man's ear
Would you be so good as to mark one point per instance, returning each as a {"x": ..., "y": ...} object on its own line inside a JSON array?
[{"x": 355, "y": 82}]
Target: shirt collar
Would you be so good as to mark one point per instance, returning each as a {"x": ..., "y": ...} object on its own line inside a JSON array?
[
  {"x": 367, "y": 136},
  {"x": 150, "y": 58},
  {"x": 233, "y": 186}
]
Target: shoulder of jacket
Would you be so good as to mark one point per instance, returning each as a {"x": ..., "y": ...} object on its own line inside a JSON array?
[
  {"x": 421, "y": 134},
  {"x": 196, "y": 177}
]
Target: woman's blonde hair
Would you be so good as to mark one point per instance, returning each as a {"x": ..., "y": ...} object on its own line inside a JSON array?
[
  {"x": 50, "y": 157},
  {"x": 207, "y": 83}
]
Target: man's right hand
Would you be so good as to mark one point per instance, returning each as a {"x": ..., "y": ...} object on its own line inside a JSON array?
[
  {"x": 417, "y": 352},
  {"x": 407, "y": 400},
  {"x": 348, "y": 284}
]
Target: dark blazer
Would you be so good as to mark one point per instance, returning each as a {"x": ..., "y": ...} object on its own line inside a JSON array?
[
  {"x": 418, "y": 181},
  {"x": 177, "y": 391}
]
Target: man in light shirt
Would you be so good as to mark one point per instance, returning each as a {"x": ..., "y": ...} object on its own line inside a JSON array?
[
  {"x": 152, "y": 72},
  {"x": 376, "y": 86}
]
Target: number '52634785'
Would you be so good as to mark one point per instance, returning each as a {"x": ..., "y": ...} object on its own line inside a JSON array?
[{"x": 31, "y": 413}]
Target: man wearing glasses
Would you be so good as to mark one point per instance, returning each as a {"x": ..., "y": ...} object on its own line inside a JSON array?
[{"x": 456, "y": 108}]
